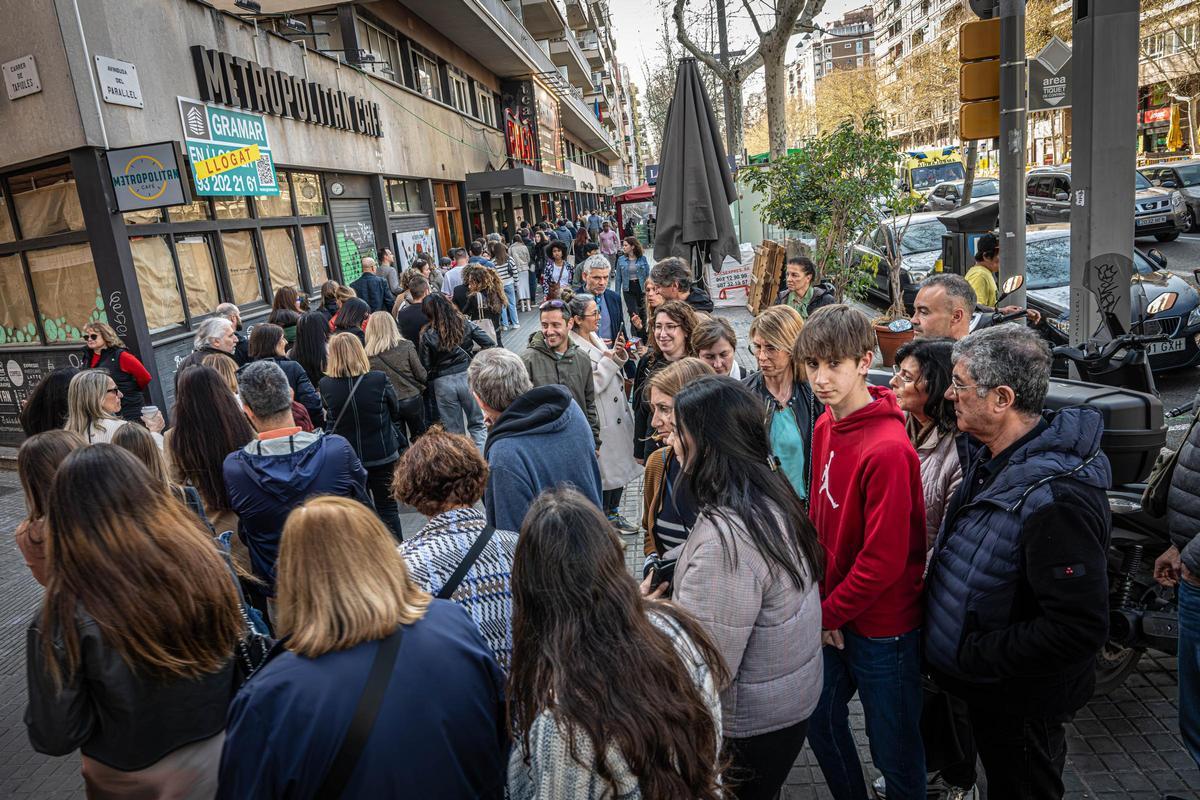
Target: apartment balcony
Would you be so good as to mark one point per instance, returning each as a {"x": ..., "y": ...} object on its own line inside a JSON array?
[
  {"x": 579, "y": 14},
  {"x": 589, "y": 42},
  {"x": 543, "y": 18},
  {"x": 565, "y": 52}
]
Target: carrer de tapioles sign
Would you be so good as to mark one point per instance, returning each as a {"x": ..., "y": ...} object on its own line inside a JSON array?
[{"x": 228, "y": 151}]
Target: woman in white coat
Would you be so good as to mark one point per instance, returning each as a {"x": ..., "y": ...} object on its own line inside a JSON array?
[{"x": 617, "y": 464}]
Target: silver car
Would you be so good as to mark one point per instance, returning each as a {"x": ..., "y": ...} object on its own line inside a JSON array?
[
  {"x": 947, "y": 195},
  {"x": 1158, "y": 212}
]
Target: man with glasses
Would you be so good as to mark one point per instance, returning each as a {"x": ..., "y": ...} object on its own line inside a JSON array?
[{"x": 1017, "y": 592}]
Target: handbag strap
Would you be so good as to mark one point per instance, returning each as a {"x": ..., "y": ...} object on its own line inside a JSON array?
[
  {"x": 349, "y": 399},
  {"x": 468, "y": 561},
  {"x": 364, "y": 719}
]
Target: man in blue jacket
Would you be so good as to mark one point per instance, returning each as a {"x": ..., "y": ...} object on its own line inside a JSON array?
[
  {"x": 1017, "y": 589},
  {"x": 596, "y": 272},
  {"x": 538, "y": 438},
  {"x": 283, "y": 467},
  {"x": 372, "y": 288}
]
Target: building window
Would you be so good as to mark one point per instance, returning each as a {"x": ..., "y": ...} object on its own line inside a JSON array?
[
  {"x": 231, "y": 207},
  {"x": 858, "y": 46},
  {"x": 460, "y": 94},
  {"x": 7, "y": 234},
  {"x": 17, "y": 325},
  {"x": 242, "y": 262},
  {"x": 858, "y": 62},
  {"x": 383, "y": 46},
  {"x": 282, "y": 266},
  {"x": 67, "y": 292},
  {"x": 199, "y": 274},
  {"x": 159, "y": 288},
  {"x": 195, "y": 211},
  {"x": 1153, "y": 45},
  {"x": 46, "y": 202},
  {"x": 403, "y": 197},
  {"x": 828, "y": 66},
  {"x": 425, "y": 73},
  {"x": 307, "y": 188},
  {"x": 317, "y": 255},
  {"x": 278, "y": 205},
  {"x": 487, "y": 107}
]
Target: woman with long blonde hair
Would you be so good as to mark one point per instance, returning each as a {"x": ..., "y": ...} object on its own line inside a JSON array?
[
  {"x": 362, "y": 406},
  {"x": 394, "y": 356},
  {"x": 440, "y": 728},
  {"x": 131, "y": 660},
  {"x": 93, "y": 406}
]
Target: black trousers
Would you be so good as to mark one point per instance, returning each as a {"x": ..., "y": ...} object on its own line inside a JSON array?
[
  {"x": 413, "y": 410},
  {"x": 635, "y": 303},
  {"x": 379, "y": 483},
  {"x": 758, "y": 765},
  {"x": 611, "y": 498},
  {"x": 1023, "y": 757}
]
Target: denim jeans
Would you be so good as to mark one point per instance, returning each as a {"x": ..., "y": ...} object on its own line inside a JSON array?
[
  {"x": 508, "y": 315},
  {"x": 454, "y": 401},
  {"x": 1189, "y": 667},
  {"x": 886, "y": 674}
]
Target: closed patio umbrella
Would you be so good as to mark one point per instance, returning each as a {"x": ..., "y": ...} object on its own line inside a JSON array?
[{"x": 695, "y": 186}]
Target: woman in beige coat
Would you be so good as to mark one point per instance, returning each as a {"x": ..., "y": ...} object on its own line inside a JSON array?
[
  {"x": 749, "y": 573},
  {"x": 617, "y": 464},
  {"x": 921, "y": 379}
]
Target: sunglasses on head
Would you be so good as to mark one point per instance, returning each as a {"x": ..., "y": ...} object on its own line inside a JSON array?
[{"x": 549, "y": 304}]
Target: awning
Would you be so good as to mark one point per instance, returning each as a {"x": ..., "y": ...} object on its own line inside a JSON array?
[
  {"x": 638, "y": 194},
  {"x": 518, "y": 180}
]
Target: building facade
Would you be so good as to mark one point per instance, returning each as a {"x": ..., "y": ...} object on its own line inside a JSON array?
[
  {"x": 165, "y": 156},
  {"x": 846, "y": 44}
]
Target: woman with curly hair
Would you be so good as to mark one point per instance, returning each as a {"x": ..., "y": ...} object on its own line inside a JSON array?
[{"x": 482, "y": 297}]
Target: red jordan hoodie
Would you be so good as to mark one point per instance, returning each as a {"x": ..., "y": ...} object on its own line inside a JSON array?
[{"x": 869, "y": 512}]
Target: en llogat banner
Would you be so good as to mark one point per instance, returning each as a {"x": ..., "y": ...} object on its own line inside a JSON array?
[
  {"x": 731, "y": 286},
  {"x": 228, "y": 150}
]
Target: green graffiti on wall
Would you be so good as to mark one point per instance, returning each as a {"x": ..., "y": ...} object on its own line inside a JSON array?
[{"x": 57, "y": 329}]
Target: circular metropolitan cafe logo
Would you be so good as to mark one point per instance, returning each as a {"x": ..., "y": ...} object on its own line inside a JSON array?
[{"x": 146, "y": 178}]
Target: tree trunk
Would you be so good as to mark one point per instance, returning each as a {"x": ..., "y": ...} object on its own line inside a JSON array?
[
  {"x": 734, "y": 123},
  {"x": 969, "y": 171},
  {"x": 776, "y": 76}
]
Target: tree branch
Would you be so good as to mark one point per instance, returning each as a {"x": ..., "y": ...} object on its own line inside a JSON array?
[
  {"x": 753, "y": 18},
  {"x": 684, "y": 39}
]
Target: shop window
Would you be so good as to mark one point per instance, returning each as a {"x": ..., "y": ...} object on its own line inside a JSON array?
[
  {"x": 199, "y": 277},
  {"x": 196, "y": 211},
  {"x": 46, "y": 202},
  {"x": 308, "y": 194},
  {"x": 68, "y": 294},
  {"x": 242, "y": 263},
  {"x": 17, "y": 324},
  {"x": 156, "y": 280},
  {"x": 317, "y": 253},
  {"x": 280, "y": 251},
  {"x": 146, "y": 216},
  {"x": 459, "y": 93},
  {"x": 231, "y": 207},
  {"x": 6, "y": 229},
  {"x": 425, "y": 75},
  {"x": 403, "y": 196},
  {"x": 278, "y": 205}
]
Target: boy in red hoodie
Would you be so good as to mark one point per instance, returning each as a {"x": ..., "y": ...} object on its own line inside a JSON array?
[{"x": 866, "y": 503}]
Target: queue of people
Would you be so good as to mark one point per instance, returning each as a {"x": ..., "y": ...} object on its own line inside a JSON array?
[{"x": 808, "y": 538}]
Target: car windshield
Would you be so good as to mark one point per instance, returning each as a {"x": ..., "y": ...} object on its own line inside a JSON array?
[
  {"x": 1140, "y": 181},
  {"x": 924, "y": 177},
  {"x": 1048, "y": 262},
  {"x": 1190, "y": 175},
  {"x": 985, "y": 189},
  {"x": 921, "y": 237}
]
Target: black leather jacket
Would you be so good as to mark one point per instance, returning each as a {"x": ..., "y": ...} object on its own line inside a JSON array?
[
  {"x": 121, "y": 719},
  {"x": 369, "y": 420},
  {"x": 440, "y": 363},
  {"x": 803, "y": 404}
]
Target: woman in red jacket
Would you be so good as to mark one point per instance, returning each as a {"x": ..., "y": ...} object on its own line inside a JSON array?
[{"x": 106, "y": 351}]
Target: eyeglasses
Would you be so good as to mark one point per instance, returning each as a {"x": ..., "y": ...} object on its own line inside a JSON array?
[
  {"x": 665, "y": 327},
  {"x": 903, "y": 376},
  {"x": 113, "y": 390},
  {"x": 91, "y": 336},
  {"x": 767, "y": 349},
  {"x": 957, "y": 387}
]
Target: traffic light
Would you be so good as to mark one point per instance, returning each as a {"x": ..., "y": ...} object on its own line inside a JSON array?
[{"x": 979, "y": 79}]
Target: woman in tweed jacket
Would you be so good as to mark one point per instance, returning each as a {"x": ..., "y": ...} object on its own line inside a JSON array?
[
  {"x": 580, "y": 630},
  {"x": 749, "y": 572},
  {"x": 443, "y": 476}
]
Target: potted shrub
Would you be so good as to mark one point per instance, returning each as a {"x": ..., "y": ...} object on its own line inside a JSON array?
[{"x": 893, "y": 328}]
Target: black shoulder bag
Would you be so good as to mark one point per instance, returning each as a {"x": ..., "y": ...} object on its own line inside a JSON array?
[
  {"x": 468, "y": 561},
  {"x": 349, "y": 400},
  {"x": 364, "y": 719}
]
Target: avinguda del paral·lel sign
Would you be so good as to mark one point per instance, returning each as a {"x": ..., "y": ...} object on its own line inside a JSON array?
[{"x": 241, "y": 83}]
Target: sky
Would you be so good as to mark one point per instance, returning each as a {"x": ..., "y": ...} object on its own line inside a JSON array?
[{"x": 638, "y": 24}]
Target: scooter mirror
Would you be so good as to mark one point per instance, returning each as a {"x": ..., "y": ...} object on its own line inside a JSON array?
[
  {"x": 1156, "y": 255},
  {"x": 1012, "y": 284},
  {"x": 900, "y": 326},
  {"x": 1164, "y": 302}
]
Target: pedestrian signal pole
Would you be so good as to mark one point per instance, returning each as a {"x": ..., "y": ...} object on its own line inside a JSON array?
[
  {"x": 1012, "y": 144},
  {"x": 1104, "y": 158}
]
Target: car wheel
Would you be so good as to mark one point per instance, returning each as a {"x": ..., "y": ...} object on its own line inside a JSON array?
[
  {"x": 1167, "y": 237},
  {"x": 1189, "y": 221}
]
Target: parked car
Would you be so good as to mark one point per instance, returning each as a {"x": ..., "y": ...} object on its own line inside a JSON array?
[
  {"x": 947, "y": 195},
  {"x": 1048, "y": 289},
  {"x": 920, "y": 249},
  {"x": 1181, "y": 175},
  {"x": 1158, "y": 212}
]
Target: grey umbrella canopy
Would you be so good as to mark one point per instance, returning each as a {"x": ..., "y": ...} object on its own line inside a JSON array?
[{"x": 695, "y": 187}]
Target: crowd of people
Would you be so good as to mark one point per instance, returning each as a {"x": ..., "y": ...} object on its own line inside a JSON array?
[{"x": 232, "y": 608}]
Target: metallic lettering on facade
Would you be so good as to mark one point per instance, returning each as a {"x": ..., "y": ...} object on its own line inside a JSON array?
[{"x": 241, "y": 83}]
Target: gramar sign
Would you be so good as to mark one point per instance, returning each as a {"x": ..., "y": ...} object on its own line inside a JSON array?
[{"x": 241, "y": 83}]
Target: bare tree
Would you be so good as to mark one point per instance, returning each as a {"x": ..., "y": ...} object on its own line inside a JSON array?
[{"x": 789, "y": 17}]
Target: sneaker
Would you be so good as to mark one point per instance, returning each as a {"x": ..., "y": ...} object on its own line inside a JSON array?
[
  {"x": 937, "y": 789},
  {"x": 622, "y": 524}
]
